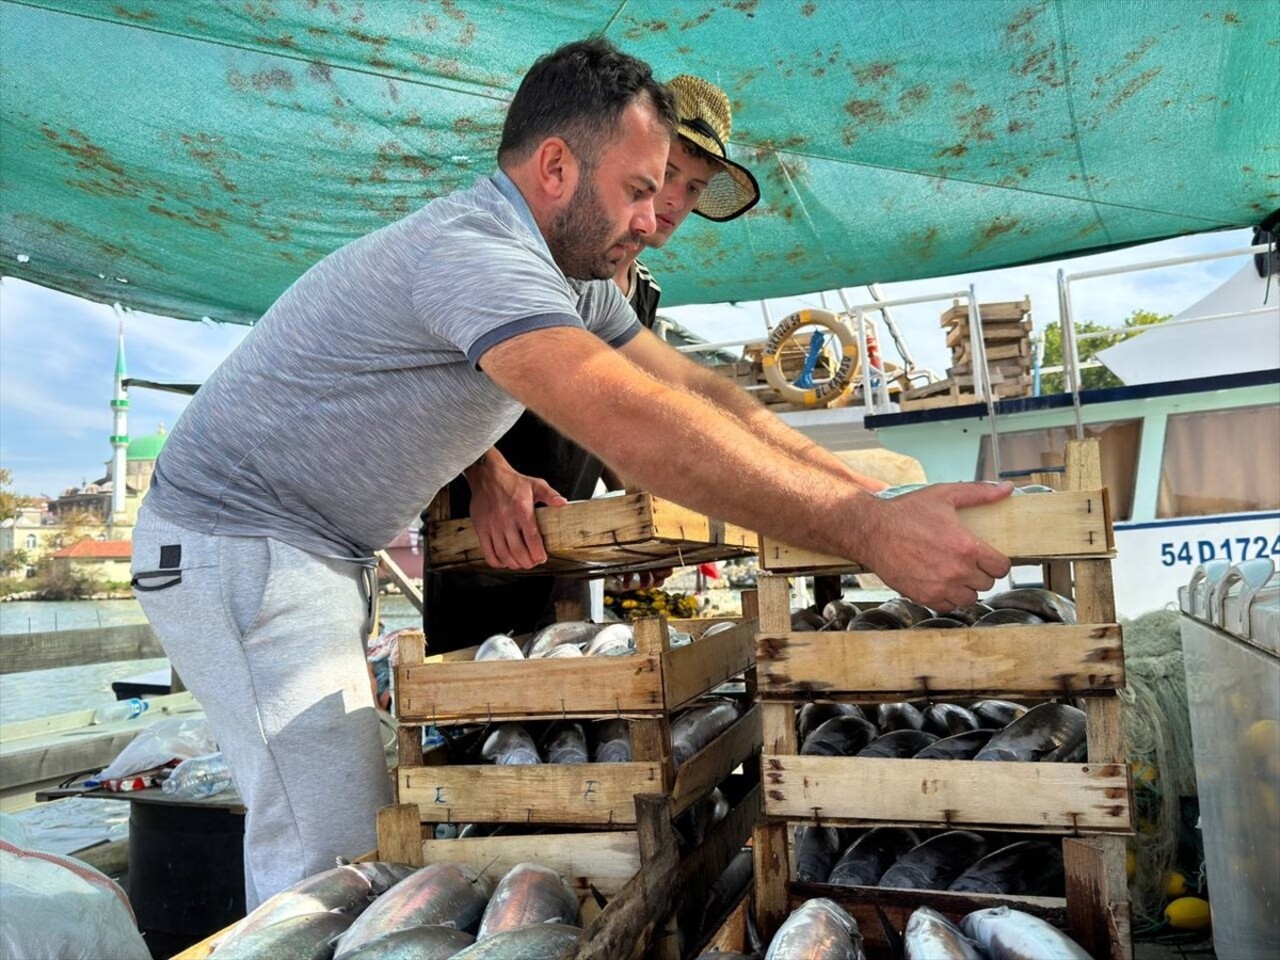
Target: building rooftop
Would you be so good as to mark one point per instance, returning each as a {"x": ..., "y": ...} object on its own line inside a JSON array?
[{"x": 97, "y": 550}]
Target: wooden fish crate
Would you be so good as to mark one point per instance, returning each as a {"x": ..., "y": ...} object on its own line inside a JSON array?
[
  {"x": 645, "y": 688},
  {"x": 600, "y": 537},
  {"x": 656, "y": 679},
  {"x": 1091, "y": 803},
  {"x": 1066, "y": 525}
]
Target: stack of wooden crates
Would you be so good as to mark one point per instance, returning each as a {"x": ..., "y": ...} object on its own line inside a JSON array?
[
  {"x": 608, "y": 825},
  {"x": 1006, "y": 335},
  {"x": 1089, "y": 805}
]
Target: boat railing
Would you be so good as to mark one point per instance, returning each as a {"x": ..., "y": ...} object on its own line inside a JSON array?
[{"x": 1071, "y": 364}]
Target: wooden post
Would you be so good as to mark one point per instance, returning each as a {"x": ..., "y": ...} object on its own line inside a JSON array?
[
  {"x": 400, "y": 834},
  {"x": 410, "y": 651},
  {"x": 1098, "y": 909},
  {"x": 750, "y": 604},
  {"x": 774, "y": 600},
  {"x": 772, "y": 868}
]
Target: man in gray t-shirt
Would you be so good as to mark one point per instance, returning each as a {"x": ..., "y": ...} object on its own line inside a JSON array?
[{"x": 304, "y": 452}]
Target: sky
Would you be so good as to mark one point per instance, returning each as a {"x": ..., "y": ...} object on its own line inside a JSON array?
[{"x": 57, "y": 352}]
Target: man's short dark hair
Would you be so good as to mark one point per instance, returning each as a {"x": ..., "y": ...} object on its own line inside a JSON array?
[{"x": 578, "y": 93}]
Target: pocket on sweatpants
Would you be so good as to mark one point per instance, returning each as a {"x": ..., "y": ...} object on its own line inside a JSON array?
[{"x": 244, "y": 572}]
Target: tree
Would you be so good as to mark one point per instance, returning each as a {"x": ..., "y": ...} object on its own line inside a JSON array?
[
  {"x": 74, "y": 528},
  {"x": 1094, "y": 378},
  {"x": 9, "y": 501},
  {"x": 13, "y": 561}
]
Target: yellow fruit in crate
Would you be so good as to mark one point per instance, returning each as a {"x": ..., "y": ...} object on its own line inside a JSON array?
[
  {"x": 1130, "y": 864},
  {"x": 629, "y": 604},
  {"x": 1188, "y": 913},
  {"x": 1175, "y": 884}
]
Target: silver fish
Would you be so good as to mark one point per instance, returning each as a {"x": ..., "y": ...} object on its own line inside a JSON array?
[
  {"x": 898, "y": 744},
  {"x": 931, "y": 936},
  {"x": 510, "y": 745},
  {"x": 818, "y": 930},
  {"x": 308, "y": 936},
  {"x": 1009, "y": 618},
  {"x": 841, "y": 736},
  {"x": 528, "y": 894},
  {"x": 806, "y": 619},
  {"x": 907, "y": 612},
  {"x": 1031, "y": 868},
  {"x": 698, "y": 726},
  {"x": 715, "y": 628},
  {"x": 948, "y": 719},
  {"x": 935, "y": 863},
  {"x": 1045, "y": 604},
  {"x": 438, "y": 894},
  {"x": 1048, "y": 732},
  {"x": 613, "y": 741},
  {"x": 940, "y": 623},
  {"x": 813, "y": 715},
  {"x": 839, "y": 613},
  {"x": 1005, "y": 934},
  {"x": 678, "y": 638},
  {"x": 542, "y": 941},
  {"x": 898, "y": 716},
  {"x": 545, "y": 640},
  {"x": 997, "y": 714},
  {"x": 875, "y": 619},
  {"x": 564, "y": 650},
  {"x": 867, "y": 858},
  {"x": 499, "y": 647},
  {"x": 816, "y": 851},
  {"x": 958, "y": 746},
  {"x": 415, "y": 943},
  {"x": 347, "y": 889},
  {"x": 615, "y": 640},
  {"x": 569, "y": 745}
]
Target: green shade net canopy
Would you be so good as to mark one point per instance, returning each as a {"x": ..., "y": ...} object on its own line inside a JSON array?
[{"x": 194, "y": 157}]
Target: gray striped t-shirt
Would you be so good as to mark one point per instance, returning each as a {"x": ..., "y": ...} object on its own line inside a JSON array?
[{"x": 358, "y": 396}]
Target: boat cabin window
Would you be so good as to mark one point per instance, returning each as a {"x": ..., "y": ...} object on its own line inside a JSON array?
[
  {"x": 1220, "y": 461},
  {"x": 1028, "y": 451}
]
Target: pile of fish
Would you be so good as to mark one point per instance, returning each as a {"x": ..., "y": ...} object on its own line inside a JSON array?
[
  {"x": 958, "y": 860},
  {"x": 599, "y": 741},
  {"x": 390, "y": 911},
  {"x": 823, "y": 930},
  {"x": 575, "y": 638},
  {"x": 984, "y": 730},
  {"x": 1025, "y": 606}
]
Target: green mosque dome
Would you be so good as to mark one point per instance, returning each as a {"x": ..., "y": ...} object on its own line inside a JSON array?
[{"x": 146, "y": 448}]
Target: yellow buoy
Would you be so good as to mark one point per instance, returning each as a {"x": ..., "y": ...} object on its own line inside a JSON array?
[
  {"x": 1175, "y": 884},
  {"x": 1188, "y": 913}
]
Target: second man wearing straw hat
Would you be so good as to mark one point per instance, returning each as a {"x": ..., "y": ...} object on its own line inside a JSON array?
[{"x": 462, "y": 609}]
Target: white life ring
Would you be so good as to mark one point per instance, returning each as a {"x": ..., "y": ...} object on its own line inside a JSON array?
[{"x": 823, "y": 393}]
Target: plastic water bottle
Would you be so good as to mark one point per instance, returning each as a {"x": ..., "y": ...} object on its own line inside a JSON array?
[
  {"x": 199, "y": 777},
  {"x": 121, "y": 710}
]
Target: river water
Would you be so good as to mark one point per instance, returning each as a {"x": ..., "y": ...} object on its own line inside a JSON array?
[{"x": 24, "y": 696}]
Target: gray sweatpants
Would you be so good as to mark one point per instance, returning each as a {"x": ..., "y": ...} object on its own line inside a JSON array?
[{"x": 269, "y": 640}]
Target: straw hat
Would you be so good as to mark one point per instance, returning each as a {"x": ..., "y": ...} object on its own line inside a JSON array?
[{"x": 706, "y": 120}]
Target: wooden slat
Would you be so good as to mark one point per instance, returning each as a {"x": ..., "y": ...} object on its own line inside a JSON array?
[
  {"x": 692, "y": 670},
  {"x": 529, "y": 689},
  {"x": 608, "y": 531},
  {"x": 1027, "y": 529},
  {"x": 46, "y": 650},
  {"x": 709, "y": 766},
  {"x": 731, "y": 936},
  {"x": 400, "y": 834},
  {"x": 780, "y": 735},
  {"x": 586, "y": 793},
  {"x": 772, "y": 871},
  {"x": 1055, "y": 797},
  {"x": 604, "y": 859},
  {"x": 1045, "y": 659},
  {"x": 773, "y": 596}
]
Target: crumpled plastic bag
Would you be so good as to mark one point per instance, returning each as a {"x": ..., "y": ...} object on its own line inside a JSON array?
[
  {"x": 56, "y": 908},
  {"x": 159, "y": 744}
]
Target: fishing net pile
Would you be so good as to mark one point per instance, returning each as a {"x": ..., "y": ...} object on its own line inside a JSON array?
[{"x": 1157, "y": 730}]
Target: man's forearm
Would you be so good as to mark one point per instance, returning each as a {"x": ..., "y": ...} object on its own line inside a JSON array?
[{"x": 761, "y": 423}]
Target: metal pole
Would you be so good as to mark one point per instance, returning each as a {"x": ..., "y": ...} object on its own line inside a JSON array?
[
  {"x": 891, "y": 325},
  {"x": 1069, "y": 361},
  {"x": 1171, "y": 262},
  {"x": 868, "y": 398},
  {"x": 978, "y": 351},
  {"x": 768, "y": 320}
]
